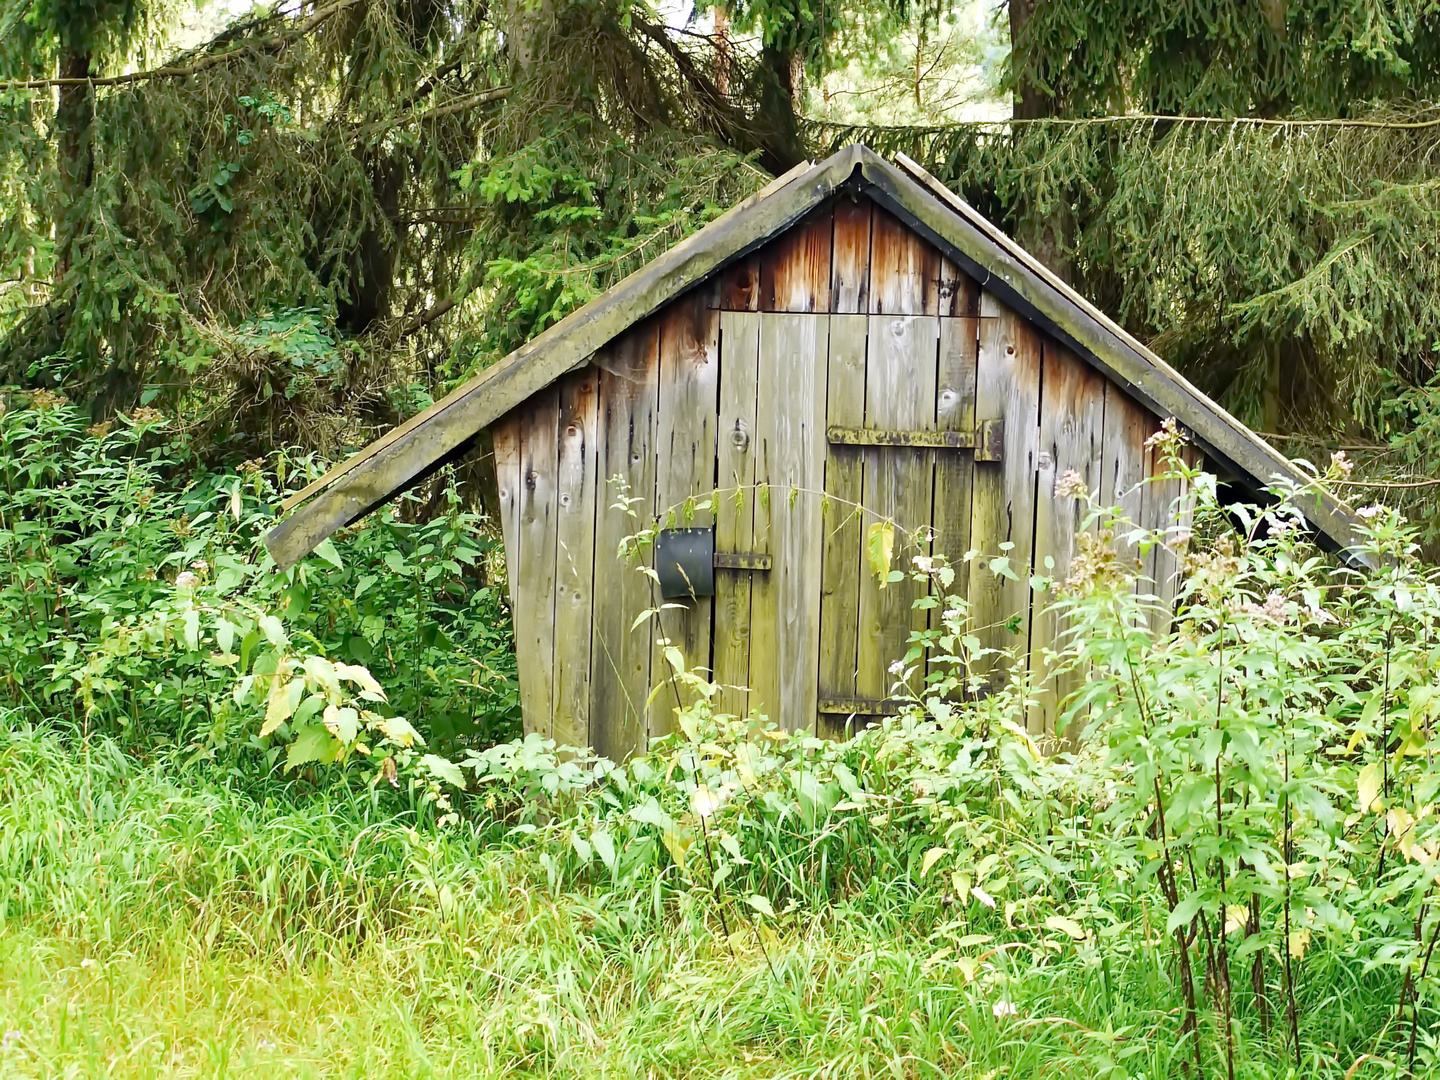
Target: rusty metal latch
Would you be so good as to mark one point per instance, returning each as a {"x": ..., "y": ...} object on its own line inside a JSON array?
[
  {"x": 736, "y": 560},
  {"x": 987, "y": 439}
]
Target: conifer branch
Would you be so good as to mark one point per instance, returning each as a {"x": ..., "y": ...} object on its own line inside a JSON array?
[{"x": 181, "y": 71}]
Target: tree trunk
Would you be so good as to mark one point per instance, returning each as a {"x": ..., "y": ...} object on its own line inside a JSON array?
[
  {"x": 74, "y": 124},
  {"x": 1042, "y": 236},
  {"x": 778, "y": 121}
]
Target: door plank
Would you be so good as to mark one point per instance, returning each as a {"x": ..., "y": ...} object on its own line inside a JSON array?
[
  {"x": 625, "y": 450},
  {"x": 850, "y": 257},
  {"x": 790, "y": 463},
  {"x": 505, "y": 437},
  {"x": 735, "y": 516},
  {"x": 898, "y": 487},
  {"x": 843, "y": 559},
  {"x": 577, "y": 488}
]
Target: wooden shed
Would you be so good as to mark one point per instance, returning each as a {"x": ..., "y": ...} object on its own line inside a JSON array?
[{"x": 854, "y": 335}]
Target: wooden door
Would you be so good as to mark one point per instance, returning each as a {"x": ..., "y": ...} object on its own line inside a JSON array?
[{"x": 810, "y": 642}]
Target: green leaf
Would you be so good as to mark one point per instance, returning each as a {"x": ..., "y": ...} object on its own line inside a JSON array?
[
  {"x": 880, "y": 549},
  {"x": 760, "y": 904},
  {"x": 444, "y": 769},
  {"x": 934, "y": 855},
  {"x": 1184, "y": 913},
  {"x": 313, "y": 743},
  {"x": 326, "y": 550},
  {"x": 274, "y": 631}
]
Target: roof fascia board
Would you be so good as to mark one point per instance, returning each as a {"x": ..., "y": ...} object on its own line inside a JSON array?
[
  {"x": 1005, "y": 270},
  {"x": 392, "y": 462}
]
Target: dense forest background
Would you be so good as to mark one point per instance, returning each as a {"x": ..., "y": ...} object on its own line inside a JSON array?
[{"x": 291, "y": 226}]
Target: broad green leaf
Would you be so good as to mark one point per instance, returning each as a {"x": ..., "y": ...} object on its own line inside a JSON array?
[
  {"x": 934, "y": 855},
  {"x": 760, "y": 904},
  {"x": 326, "y": 550},
  {"x": 444, "y": 769},
  {"x": 604, "y": 847},
  {"x": 398, "y": 730},
  {"x": 1367, "y": 787},
  {"x": 273, "y": 630},
  {"x": 313, "y": 743},
  {"x": 1065, "y": 926}
]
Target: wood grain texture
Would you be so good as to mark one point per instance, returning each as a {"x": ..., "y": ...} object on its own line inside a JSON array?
[
  {"x": 687, "y": 421},
  {"x": 790, "y": 462},
  {"x": 625, "y": 451},
  {"x": 1003, "y": 500},
  {"x": 1122, "y": 481},
  {"x": 735, "y": 517},
  {"x": 898, "y": 485},
  {"x": 505, "y": 435},
  {"x": 534, "y": 616},
  {"x": 905, "y": 270},
  {"x": 850, "y": 256},
  {"x": 1072, "y": 429},
  {"x": 795, "y": 268},
  {"x": 955, "y": 472},
  {"x": 1167, "y": 510},
  {"x": 577, "y": 488},
  {"x": 843, "y": 560}
]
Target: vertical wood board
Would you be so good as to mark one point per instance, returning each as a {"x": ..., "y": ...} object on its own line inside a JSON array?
[
  {"x": 577, "y": 488},
  {"x": 535, "y": 614},
  {"x": 625, "y": 448}
]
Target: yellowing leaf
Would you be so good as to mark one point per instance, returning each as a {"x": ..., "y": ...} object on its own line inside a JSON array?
[
  {"x": 880, "y": 549},
  {"x": 1367, "y": 787},
  {"x": 983, "y": 896},
  {"x": 284, "y": 696},
  {"x": 1065, "y": 926},
  {"x": 1236, "y": 916},
  {"x": 934, "y": 855},
  {"x": 1297, "y": 942}
]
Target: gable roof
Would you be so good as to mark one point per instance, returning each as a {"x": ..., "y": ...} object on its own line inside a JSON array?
[{"x": 447, "y": 429}]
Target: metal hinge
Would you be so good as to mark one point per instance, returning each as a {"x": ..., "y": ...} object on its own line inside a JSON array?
[
  {"x": 861, "y": 706},
  {"x": 987, "y": 439}
]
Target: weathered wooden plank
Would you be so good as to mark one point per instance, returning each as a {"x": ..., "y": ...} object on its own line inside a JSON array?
[
  {"x": 850, "y": 256},
  {"x": 790, "y": 462},
  {"x": 1166, "y": 511},
  {"x": 1019, "y": 280},
  {"x": 905, "y": 270},
  {"x": 534, "y": 615},
  {"x": 735, "y": 516},
  {"x": 954, "y": 473},
  {"x": 843, "y": 560},
  {"x": 577, "y": 488},
  {"x": 898, "y": 485},
  {"x": 505, "y": 436},
  {"x": 1003, "y": 499},
  {"x": 625, "y": 458},
  {"x": 795, "y": 268},
  {"x": 685, "y": 479},
  {"x": 1122, "y": 481},
  {"x": 1072, "y": 427}
]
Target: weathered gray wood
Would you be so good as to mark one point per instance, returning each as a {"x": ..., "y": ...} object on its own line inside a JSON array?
[
  {"x": 445, "y": 430},
  {"x": 785, "y": 604},
  {"x": 843, "y": 559},
  {"x": 505, "y": 435},
  {"x": 1122, "y": 483},
  {"x": 625, "y": 450},
  {"x": 1021, "y": 282},
  {"x": 1002, "y": 519},
  {"x": 905, "y": 270},
  {"x": 685, "y": 478},
  {"x": 534, "y": 615},
  {"x": 735, "y": 516},
  {"x": 1167, "y": 511},
  {"x": 898, "y": 485},
  {"x": 954, "y": 473},
  {"x": 577, "y": 486},
  {"x": 1072, "y": 427}
]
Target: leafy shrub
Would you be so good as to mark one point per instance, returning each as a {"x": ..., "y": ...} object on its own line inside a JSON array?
[{"x": 116, "y": 540}]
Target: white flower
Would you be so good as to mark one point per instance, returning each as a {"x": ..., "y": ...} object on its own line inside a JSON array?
[
  {"x": 897, "y": 667},
  {"x": 200, "y": 566},
  {"x": 9, "y": 1040},
  {"x": 1369, "y": 512},
  {"x": 186, "y": 580},
  {"x": 924, "y": 563},
  {"x": 1002, "y": 1009},
  {"x": 951, "y": 614},
  {"x": 89, "y": 962},
  {"x": 1071, "y": 485},
  {"x": 265, "y": 1044}
]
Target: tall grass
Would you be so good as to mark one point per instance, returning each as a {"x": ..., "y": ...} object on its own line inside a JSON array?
[{"x": 159, "y": 923}]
